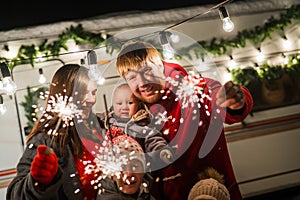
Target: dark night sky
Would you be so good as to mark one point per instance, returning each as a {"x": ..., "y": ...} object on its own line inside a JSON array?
[{"x": 23, "y": 14}]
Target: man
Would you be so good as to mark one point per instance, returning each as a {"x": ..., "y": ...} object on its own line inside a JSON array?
[{"x": 190, "y": 111}]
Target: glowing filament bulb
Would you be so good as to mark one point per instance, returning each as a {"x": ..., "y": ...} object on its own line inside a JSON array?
[
  {"x": 228, "y": 25},
  {"x": 260, "y": 56},
  {"x": 9, "y": 86},
  {"x": 168, "y": 51},
  {"x": 2, "y": 106},
  {"x": 231, "y": 64},
  {"x": 42, "y": 78},
  {"x": 286, "y": 44}
]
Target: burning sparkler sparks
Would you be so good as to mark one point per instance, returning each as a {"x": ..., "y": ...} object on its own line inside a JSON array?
[
  {"x": 188, "y": 90},
  {"x": 109, "y": 161},
  {"x": 65, "y": 108},
  {"x": 112, "y": 156},
  {"x": 108, "y": 158}
]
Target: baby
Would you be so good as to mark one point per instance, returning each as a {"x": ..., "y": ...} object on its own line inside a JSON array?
[{"x": 133, "y": 118}]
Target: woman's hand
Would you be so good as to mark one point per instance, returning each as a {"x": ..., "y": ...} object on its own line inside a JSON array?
[{"x": 44, "y": 165}]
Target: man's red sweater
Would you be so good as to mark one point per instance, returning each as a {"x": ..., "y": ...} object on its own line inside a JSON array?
[{"x": 198, "y": 133}]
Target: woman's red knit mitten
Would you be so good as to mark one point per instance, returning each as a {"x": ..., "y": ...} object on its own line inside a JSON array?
[{"x": 44, "y": 165}]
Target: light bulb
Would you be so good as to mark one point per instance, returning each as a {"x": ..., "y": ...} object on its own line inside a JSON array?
[
  {"x": 1, "y": 86},
  {"x": 2, "y": 106},
  {"x": 228, "y": 25},
  {"x": 93, "y": 73},
  {"x": 42, "y": 78},
  {"x": 100, "y": 80},
  {"x": 287, "y": 44},
  {"x": 2, "y": 109},
  {"x": 168, "y": 51},
  {"x": 284, "y": 59},
  {"x": 9, "y": 86},
  {"x": 174, "y": 38},
  {"x": 232, "y": 64},
  {"x": 260, "y": 57}
]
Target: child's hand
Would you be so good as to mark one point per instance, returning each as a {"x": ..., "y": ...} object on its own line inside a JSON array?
[
  {"x": 44, "y": 165},
  {"x": 166, "y": 156}
]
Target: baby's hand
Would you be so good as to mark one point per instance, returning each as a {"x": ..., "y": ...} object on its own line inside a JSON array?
[{"x": 166, "y": 156}]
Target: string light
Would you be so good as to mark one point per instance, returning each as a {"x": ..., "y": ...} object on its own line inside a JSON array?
[
  {"x": 231, "y": 64},
  {"x": 42, "y": 78},
  {"x": 174, "y": 38},
  {"x": 104, "y": 35},
  {"x": 168, "y": 51},
  {"x": 260, "y": 56},
  {"x": 228, "y": 25},
  {"x": 2, "y": 106},
  {"x": 284, "y": 59},
  {"x": 8, "y": 86},
  {"x": 287, "y": 44},
  {"x": 214, "y": 7},
  {"x": 218, "y": 6},
  {"x": 93, "y": 73}
]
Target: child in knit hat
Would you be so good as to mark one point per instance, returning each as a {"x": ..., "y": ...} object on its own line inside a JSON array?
[
  {"x": 210, "y": 187},
  {"x": 132, "y": 182},
  {"x": 133, "y": 118}
]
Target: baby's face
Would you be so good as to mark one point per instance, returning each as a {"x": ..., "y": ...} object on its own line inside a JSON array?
[{"x": 125, "y": 105}]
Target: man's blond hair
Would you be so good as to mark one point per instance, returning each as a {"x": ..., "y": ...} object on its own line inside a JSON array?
[{"x": 134, "y": 54}]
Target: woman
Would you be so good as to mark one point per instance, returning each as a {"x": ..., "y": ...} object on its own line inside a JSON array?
[{"x": 60, "y": 144}]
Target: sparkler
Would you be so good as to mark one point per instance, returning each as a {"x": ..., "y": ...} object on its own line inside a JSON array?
[
  {"x": 107, "y": 162},
  {"x": 65, "y": 109},
  {"x": 188, "y": 90}
]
